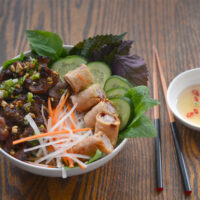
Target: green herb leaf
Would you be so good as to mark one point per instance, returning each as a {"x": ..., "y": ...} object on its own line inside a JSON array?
[
  {"x": 30, "y": 97},
  {"x": 33, "y": 142},
  {"x": 7, "y": 87},
  {"x": 9, "y": 62},
  {"x": 87, "y": 47},
  {"x": 141, "y": 100},
  {"x": 143, "y": 127},
  {"x": 35, "y": 76},
  {"x": 45, "y": 43},
  {"x": 97, "y": 155}
]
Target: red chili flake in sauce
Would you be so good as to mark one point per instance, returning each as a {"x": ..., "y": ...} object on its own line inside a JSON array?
[
  {"x": 196, "y": 111},
  {"x": 195, "y": 92},
  {"x": 196, "y": 98},
  {"x": 189, "y": 114}
]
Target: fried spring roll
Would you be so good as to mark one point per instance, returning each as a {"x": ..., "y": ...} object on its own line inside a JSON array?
[
  {"x": 105, "y": 147},
  {"x": 79, "y": 78},
  {"x": 88, "y": 98},
  {"x": 103, "y": 106},
  {"x": 89, "y": 145},
  {"x": 109, "y": 124}
]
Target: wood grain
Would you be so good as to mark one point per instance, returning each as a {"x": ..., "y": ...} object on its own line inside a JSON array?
[{"x": 173, "y": 27}]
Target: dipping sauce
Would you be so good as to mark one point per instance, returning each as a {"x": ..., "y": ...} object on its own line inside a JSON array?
[{"x": 188, "y": 104}]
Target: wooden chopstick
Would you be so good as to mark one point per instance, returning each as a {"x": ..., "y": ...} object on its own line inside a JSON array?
[
  {"x": 164, "y": 85},
  {"x": 183, "y": 168},
  {"x": 155, "y": 88},
  {"x": 159, "y": 178}
]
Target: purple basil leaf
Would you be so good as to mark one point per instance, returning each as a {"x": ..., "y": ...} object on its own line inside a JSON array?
[
  {"x": 124, "y": 47},
  {"x": 107, "y": 52},
  {"x": 87, "y": 47},
  {"x": 131, "y": 67}
]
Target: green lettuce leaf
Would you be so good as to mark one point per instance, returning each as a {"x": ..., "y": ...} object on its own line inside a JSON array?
[
  {"x": 141, "y": 100},
  {"x": 45, "y": 43},
  {"x": 9, "y": 62},
  {"x": 97, "y": 155},
  {"x": 143, "y": 127}
]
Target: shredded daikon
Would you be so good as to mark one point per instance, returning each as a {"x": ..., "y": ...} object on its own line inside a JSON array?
[
  {"x": 36, "y": 130},
  {"x": 75, "y": 155},
  {"x": 44, "y": 145},
  {"x": 65, "y": 148},
  {"x": 63, "y": 119},
  {"x": 64, "y": 172},
  {"x": 58, "y": 161}
]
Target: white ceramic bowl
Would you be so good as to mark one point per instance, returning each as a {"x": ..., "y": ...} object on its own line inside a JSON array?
[
  {"x": 179, "y": 83},
  {"x": 56, "y": 172}
]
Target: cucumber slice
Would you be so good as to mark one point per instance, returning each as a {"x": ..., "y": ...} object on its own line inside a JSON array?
[
  {"x": 124, "y": 108},
  {"x": 100, "y": 72},
  {"x": 115, "y": 82},
  {"x": 69, "y": 63},
  {"x": 116, "y": 92}
]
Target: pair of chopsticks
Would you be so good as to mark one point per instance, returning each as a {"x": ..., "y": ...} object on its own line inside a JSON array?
[{"x": 174, "y": 130}]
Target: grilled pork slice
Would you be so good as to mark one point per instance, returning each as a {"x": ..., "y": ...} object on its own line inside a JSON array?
[
  {"x": 103, "y": 106},
  {"x": 88, "y": 97},
  {"x": 109, "y": 124},
  {"x": 79, "y": 78},
  {"x": 90, "y": 145}
]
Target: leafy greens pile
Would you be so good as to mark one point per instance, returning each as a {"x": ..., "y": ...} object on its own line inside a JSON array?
[
  {"x": 114, "y": 51},
  {"x": 141, "y": 125}
]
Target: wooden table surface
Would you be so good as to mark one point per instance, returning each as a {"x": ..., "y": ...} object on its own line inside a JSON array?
[{"x": 171, "y": 25}]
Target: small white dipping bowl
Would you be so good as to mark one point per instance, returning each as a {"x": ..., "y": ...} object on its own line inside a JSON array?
[
  {"x": 179, "y": 83},
  {"x": 57, "y": 172}
]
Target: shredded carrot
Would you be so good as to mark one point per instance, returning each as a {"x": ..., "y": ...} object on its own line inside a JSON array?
[
  {"x": 47, "y": 134},
  {"x": 71, "y": 162},
  {"x": 81, "y": 166},
  {"x": 50, "y": 108},
  {"x": 81, "y": 78},
  {"x": 50, "y": 148},
  {"x": 65, "y": 161},
  {"x": 68, "y": 161},
  {"x": 59, "y": 108}
]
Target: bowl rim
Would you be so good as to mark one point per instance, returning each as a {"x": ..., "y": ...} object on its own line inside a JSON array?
[
  {"x": 170, "y": 88},
  {"x": 103, "y": 160}
]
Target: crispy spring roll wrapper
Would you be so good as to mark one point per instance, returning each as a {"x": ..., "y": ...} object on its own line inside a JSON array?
[
  {"x": 88, "y": 98},
  {"x": 109, "y": 125},
  {"x": 105, "y": 147},
  {"x": 79, "y": 78},
  {"x": 90, "y": 145},
  {"x": 103, "y": 106}
]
